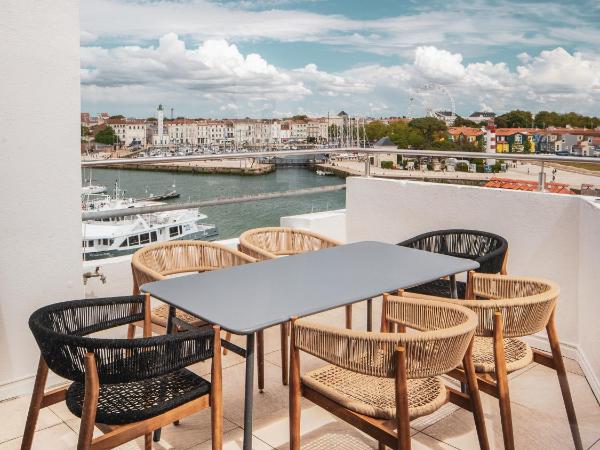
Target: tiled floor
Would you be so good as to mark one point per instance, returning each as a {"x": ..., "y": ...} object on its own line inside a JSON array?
[{"x": 538, "y": 414}]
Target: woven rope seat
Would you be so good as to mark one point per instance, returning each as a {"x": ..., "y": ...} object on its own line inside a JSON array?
[
  {"x": 488, "y": 249},
  {"x": 525, "y": 304},
  {"x": 160, "y": 316},
  {"x": 139, "y": 378},
  {"x": 273, "y": 242},
  {"x": 375, "y": 396},
  {"x": 362, "y": 368},
  {"x": 129, "y": 402},
  {"x": 162, "y": 260},
  {"x": 516, "y": 352}
]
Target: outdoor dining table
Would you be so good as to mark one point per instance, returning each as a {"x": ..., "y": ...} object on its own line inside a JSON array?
[{"x": 249, "y": 298}]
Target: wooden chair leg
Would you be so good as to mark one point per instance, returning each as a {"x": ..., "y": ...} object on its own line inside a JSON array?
[
  {"x": 216, "y": 394},
  {"x": 35, "y": 404},
  {"x": 384, "y": 323},
  {"x": 130, "y": 331},
  {"x": 473, "y": 390},
  {"x": 90, "y": 402},
  {"x": 148, "y": 441},
  {"x": 402, "y": 400},
  {"x": 563, "y": 380},
  {"x": 349, "y": 317},
  {"x": 295, "y": 392},
  {"x": 502, "y": 383},
  {"x": 227, "y": 338},
  {"x": 260, "y": 359},
  {"x": 284, "y": 329}
]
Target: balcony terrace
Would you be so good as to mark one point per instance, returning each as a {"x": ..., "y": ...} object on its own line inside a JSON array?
[{"x": 551, "y": 236}]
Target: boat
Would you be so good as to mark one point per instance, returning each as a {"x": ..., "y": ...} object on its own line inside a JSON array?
[
  {"x": 324, "y": 172},
  {"x": 123, "y": 235},
  {"x": 92, "y": 188}
]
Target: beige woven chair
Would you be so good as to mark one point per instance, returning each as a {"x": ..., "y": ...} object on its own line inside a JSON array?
[
  {"x": 378, "y": 382},
  {"x": 510, "y": 307},
  {"x": 162, "y": 260},
  {"x": 274, "y": 242}
]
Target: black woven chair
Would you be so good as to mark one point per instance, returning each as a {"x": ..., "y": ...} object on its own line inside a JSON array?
[
  {"x": 489, "y": 250},
  {"x": 126, "y": 387}
]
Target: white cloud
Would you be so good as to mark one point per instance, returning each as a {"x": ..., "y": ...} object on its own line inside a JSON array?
[
  {"x": 558, "y": 71},
  {"x": 216, "y": 78},
  {"x": 439, "y": 65},
  {"x": 473, "y": 27},
  {"x": 213, "y": 67}
]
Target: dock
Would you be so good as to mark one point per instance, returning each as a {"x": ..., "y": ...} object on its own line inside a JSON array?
[{"x": 229, "y": 167}]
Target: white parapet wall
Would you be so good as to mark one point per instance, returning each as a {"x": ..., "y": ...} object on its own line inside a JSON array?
[
  {"x": 550, "y": 236},
  {"x": 328, "y": 223}
]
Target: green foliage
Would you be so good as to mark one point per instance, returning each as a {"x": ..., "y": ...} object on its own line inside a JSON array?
[
  {"x": 387, "y": 165},
  {"x": 151, "y": 119},
  {"x": 462, "y": 167},
  {"x": 118, "y": 116},
  {"x": 85, "y": 131},
  {"x": 376, "y": 130},
  {"x": 527, "y": 146},
  {"x": 545, "y": 119},
  {"x": 514, "y": 119},
  {"x": 300, "y": 117},
  {"x": 430, "y": 127},
  {"x": 106, "y": 136}
]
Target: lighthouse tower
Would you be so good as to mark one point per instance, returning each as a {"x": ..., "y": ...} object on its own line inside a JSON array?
[
  {"x": 490, "y": 140},
  {"x": 160, "y": 115}
]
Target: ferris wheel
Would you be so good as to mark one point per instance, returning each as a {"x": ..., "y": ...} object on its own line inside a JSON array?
[{"x": 429, "y": 100}]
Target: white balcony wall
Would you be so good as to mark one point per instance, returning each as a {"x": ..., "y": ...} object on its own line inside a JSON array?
[
  {"x": 328, "y": 223},
  {"x": 550, "y": 236},
  {"x": 40, "y": 231},
  {"x": 589, "y": 288}
]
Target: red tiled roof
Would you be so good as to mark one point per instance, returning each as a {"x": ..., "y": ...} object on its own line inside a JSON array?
[
  {"x": 466, "y": 131},
  {"x": 525, "y": 185}
]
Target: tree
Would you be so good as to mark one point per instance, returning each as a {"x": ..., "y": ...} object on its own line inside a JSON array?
[
  {"x": 462, "y": 122},
  {"x": 300, "y": 117},
  {"x": 376, "y": 130},
  {"x": 544, "y": 119},
  {"x": 118, "y": 116},
  {"x": 515, "y": 119},
  {"x": 106, "y": 136},
  {"x": 151, "y": 119},
  {"x": 430, "y": 127}
]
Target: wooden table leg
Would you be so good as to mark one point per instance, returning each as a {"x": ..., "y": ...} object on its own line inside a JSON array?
[
  {"x": 260, "y": 358},
  {"x": 249, "y": 392}
]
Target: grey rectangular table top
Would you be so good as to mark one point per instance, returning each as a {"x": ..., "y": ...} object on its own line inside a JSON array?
[{"x": 248, "y": 298}]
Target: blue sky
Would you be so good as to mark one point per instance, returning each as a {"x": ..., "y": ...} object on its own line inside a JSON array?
[{"x": 238, "y": 58}]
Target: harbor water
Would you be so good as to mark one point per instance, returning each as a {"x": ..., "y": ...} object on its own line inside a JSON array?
[{"x": 233, "y": 219}]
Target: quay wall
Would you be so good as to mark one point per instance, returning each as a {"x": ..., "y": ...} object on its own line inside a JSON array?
[{"x": 182, "y": 168}]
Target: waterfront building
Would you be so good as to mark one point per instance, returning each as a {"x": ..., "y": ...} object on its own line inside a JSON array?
[
  {"x": 466, "y": 134},
  {"x": 131, "y": 132},
  {"x": 482, "y": 116}
]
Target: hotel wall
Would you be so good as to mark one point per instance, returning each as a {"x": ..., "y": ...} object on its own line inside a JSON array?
[{"x": 40, "y": 229}]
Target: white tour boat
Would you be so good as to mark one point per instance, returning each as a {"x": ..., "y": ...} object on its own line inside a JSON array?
[{"x": 125, "y": 234}]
